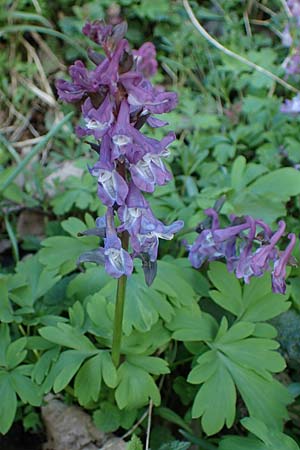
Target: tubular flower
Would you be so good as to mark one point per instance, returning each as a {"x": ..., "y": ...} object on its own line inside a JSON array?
[
  {"x": 116, "y": 100},
  {"x": 247, "y": 252}
]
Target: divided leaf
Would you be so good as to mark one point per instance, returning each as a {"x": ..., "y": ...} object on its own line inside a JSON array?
[
  {"x": 238, "y": 361},
  {"x": 262, "y": 438},
  {"x": 254, "y": 303}
]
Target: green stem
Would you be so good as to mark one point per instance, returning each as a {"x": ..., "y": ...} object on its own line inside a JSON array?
[
  {"x": 118, "y": 320},
  {"x": 119, "y": 310}
]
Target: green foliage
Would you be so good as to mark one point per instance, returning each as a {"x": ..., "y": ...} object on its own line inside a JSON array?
[
  {"x": 265, "y": 438},
  {"x": 228, "y": 364},
  {"x": 14, "y": 380},
  {"x": 175, "y": 445},
  {"x": 134, "y": 444},
  {"x": 57, "y": 319}
]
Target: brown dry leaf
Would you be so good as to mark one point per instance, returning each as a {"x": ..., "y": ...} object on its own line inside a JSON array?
[{"x": 31, "y": 223}]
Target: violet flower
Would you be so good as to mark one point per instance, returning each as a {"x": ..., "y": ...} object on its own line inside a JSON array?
[
  {"x": 279, "y": 270},
  {"x": 98, "y": 121},
  {"x": 246, "y": 252},
  {"x": 291, "y": 106},
  {"x": 145, "y": 58},
  {"x": 116, "y": 100},
  {"x": 117, "y": 261},
  {"x": 84, "y": 82}
]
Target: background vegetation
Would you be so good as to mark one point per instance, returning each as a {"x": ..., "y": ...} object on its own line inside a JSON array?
[{"x": 208, "y": 373}]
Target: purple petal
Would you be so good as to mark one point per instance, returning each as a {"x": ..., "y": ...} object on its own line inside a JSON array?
[{"x": 279, "y": 271}]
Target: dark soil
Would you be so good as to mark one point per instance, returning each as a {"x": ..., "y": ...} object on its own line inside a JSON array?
[{"x": 18, "y": 439}]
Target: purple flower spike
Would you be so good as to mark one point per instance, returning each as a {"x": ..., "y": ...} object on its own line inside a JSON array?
[
  {"x": 279, "y": 271},
  {"x": 98, "y": 121},
  {"x": 146, "y": 59},
  {"x": 117, "y": 100}
]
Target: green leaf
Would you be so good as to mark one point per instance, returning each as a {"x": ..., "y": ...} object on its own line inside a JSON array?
[
  {"x": 135, "y": 387},
  {"x": 230, "y": 293},
  {"x": 215, "y": 400},
  {"x": 8, "y": 404},
  {"x": 260, "y": 303},
  {"x": 16, "y": 352},
  {"x": 67, "y": 336},
  {"x": 60, "y": 253},
  {"x": 237, "y": 173},
  {"x": 107, "y": 418},
  {"x": 91, "y": 371},
  {"x": 268, "y": 438},
  {"x": 66, "y": 367},
  {"x": 254, "y": 303},
  {"x": 146, "y": 343},
  {"x": 193, "y": 325},
  {"x": 4, "y": 342},
  {"x": 26, "y": 389},
  {"x": 42, "y": 367},
  {"x": 175, "y": 445},
  {"x": 265, "y": 399},
  {"x": 36, "y": 281},
  {"x": 76, "y": 314},
  {"x": 98, "y": 312},
  {"x": 171, "y": 416},
  {"x": 6, "y": 310},
  {"x": 88, "y": 283},
  {"x": 79, "y": 192},
  {"x": 151, "y": 364},
  {"x": 230, "y": 365},
  {"x": 134, "y": 444},
  {"x": 143, "y": 305},
  {"x": 94, "y": 369},
  {"x": 266, "y": 196}
]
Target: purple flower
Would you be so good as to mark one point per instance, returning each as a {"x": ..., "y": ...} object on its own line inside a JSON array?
[
  {"x": 151, "y": 230},
  {"x": 279, "y": 270},
  {"x": 98, "y": 121},
  {"x": 150, "y": 170},
  {"x": 97, "y": 31},
  {"x": 145, "y": 58},
  {"x": 117, "y": 101},
  {"x": 117, "y": 261},
  {"x": 291, "y": 106},
  {"x": 84, "y": 81},
  {"x": 292, "y": 63},
  {"x": 243, "y": 267},
  {"x": 108, "y": 71},
  {"x": 294, "y": 7},
  {"x": 130, "y": 214},
  {"x": 260, "y": 261},
  {"x": 112, "y": 188},
  {"x": 286, "y": 37},
  {"x": 205, "y": 247},
  {"x": 141, "y": 94},
  {"x": 127, "y": 140}
]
